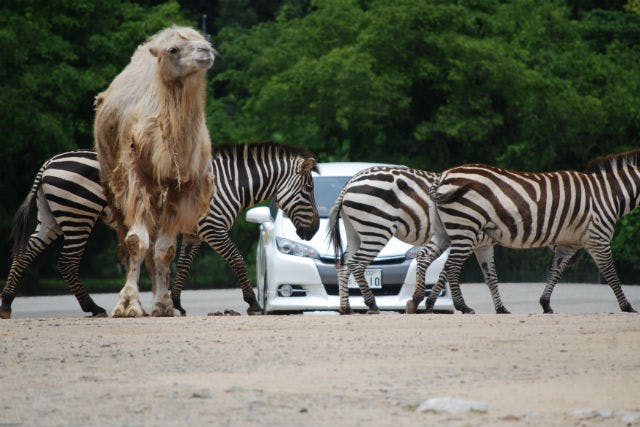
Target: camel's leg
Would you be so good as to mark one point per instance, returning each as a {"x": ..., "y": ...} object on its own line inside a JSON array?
[
  {"x": 137, "y": 243},
  {"x": 163, "y": 253}
]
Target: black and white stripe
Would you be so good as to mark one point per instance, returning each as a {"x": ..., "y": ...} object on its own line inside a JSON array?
[
  {"x": 384, "y": 202},
  {"x": 567, "y": 210},
  {"x": 70, "y": 200},
  {"x": 246, "y": 175},
  {"x": 376, "y": 205}
]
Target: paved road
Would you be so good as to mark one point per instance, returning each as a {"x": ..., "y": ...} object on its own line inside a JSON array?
[{"x": 517, "y": 297}]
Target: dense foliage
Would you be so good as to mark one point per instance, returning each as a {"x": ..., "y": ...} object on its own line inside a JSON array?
[{"x": 523, "y": 84}]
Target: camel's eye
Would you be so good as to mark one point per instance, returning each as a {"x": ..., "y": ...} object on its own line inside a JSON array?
[{"x": 172, "y": 50}]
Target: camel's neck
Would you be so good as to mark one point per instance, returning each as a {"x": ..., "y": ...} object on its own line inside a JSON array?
[
  {"x": 181, "y": 122},
  {"x": 182, "y": 113}
]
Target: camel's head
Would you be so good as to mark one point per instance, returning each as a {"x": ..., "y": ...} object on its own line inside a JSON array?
[{"x": 181, "y": 52}]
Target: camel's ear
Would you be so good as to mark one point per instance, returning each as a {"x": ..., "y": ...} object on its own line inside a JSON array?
[
  {"x": 307, "y": 165},
  {"x": 153, "y": 50}
]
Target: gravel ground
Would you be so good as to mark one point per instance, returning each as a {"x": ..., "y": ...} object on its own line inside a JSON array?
[{"x": 528, "y": 369}]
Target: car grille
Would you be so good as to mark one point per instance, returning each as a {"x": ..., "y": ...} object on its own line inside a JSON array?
[
  {"x": 376, "y": 261},
  {"x": 385, "y": 290}
]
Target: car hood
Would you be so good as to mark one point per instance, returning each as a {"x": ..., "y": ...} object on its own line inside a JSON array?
[{"x": 320, "y": 241}]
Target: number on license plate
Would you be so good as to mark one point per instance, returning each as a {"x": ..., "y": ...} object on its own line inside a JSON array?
[{"x": 373, "y": 277}]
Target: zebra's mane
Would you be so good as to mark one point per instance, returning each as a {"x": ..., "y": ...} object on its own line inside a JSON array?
[
  {"x": 606, "y": 162},
  {"x": 283, "y": 149},
  {"x": 287, "y": 149}
]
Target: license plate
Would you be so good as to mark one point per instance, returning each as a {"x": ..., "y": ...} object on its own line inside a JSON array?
[{"x": 373, "y": 277}]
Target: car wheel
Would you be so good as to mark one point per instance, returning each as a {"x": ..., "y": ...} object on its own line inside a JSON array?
[{"x": 264, "y": 293}]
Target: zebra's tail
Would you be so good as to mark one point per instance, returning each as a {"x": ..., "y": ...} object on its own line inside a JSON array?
[
  {"x": 23, "y": 219},
  {"x": 440, "y": 196},
  {"x": 334, "y": 230}
]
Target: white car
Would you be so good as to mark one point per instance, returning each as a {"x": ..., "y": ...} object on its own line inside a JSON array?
[{"x": 294, "y": 275}]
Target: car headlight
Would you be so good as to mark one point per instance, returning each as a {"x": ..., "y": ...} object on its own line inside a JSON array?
[
  {"x": 290, "y": 247},
  {"x": 413, "y": 252}
]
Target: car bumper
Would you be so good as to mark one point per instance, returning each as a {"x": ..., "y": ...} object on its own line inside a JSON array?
[{"x": 311, "y": 293}]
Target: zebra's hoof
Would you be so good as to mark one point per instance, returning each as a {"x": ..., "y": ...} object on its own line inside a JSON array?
[
  {"x": 411, "y": 307},
  {"x": 5, "y": 314},
  {"x": 467, "y": 310},
  {"x": 627, "y": 308},
  {"x": 178, "y": 306},
  {"x": 346, "y": 311},
  {"x": 98, "y": 314},
  {"x": 502, "y": 310},
  {"x": 428, "y": 306},
  {"x": 373, "y": 311},
  {"x": 254, "y": 309}
]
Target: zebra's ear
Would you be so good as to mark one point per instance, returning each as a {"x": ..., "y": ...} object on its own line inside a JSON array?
[{"x": 307, "y": 165}]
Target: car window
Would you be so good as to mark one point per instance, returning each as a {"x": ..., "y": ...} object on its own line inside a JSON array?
[{"x": 326, "y": 190}]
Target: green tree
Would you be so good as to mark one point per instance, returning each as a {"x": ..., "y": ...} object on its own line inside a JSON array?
[{"x": 57, "y": 56}]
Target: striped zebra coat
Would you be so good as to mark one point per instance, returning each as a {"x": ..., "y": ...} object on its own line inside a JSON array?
[
  {"x": 375, "y": 205},
  {"x": 567, "y": 210},
  {"x": 70, "y": 200}
]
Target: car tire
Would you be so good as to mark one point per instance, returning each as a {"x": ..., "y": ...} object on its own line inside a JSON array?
[{"x": 264, "y": 293}]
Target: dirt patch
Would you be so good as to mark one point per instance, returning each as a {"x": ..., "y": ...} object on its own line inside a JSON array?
[{"x": 321, "y": 370}]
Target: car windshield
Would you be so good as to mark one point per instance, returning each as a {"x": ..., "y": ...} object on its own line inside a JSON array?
[{"x": 326, "y": 190}]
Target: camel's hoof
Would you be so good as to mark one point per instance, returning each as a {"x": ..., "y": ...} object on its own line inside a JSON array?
[
  {"x": 132, "y": 309},
  {"x": 162, "y": 310},
  {"x": 118, "y": 311},
  {"x": 411, "y": 307}
]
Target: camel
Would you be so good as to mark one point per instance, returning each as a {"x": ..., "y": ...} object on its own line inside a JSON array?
[{"x": 154, "y": 152}]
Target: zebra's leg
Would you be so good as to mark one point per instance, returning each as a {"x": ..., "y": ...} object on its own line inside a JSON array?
[
  {"x": 68, "y": 266},
  {"x": 424, "y": 259},
  {"x": 343, "y": 288},
  {"x": 601, "y": 254},
  {"x": 457, "y": 256},
  {"x": 562, "y": 256},
  {"x": 163, "y": 253},
  {"x": 188, "y": 251},
  {"x": 435, "y": 291},
  {"x": 137, "y": 244},
  {"x": 222, "y": 244},
  {"x": 38, "y": 242},
  {"x": 484, "y": 255},
  {"x": 357, "y": 269}
]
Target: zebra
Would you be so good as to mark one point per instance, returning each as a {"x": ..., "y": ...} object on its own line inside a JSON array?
[
  {"x": 567, "y": 210},
  {"x": 70, "y": 200},
  {"x": 385, "y": 201},
  {"x": 244, "y": 176}
]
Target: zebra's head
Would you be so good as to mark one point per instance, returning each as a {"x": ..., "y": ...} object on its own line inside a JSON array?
[{"x": 296, "y": 198}]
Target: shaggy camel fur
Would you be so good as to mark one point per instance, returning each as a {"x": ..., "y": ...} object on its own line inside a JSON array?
[{"x": 154, "y": 152}]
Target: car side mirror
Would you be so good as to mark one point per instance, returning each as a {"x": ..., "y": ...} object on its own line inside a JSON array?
[{"x": 259, "y": 214}]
